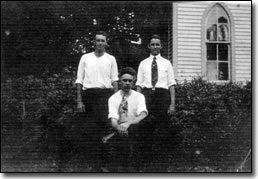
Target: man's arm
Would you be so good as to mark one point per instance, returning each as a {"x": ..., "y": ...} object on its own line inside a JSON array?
[
  {"x": 136, "y": 120},
  {"x": 80, "y": 105},
  {"x": 139, "y": 79},
  {"x": 138, "y": 89},
  {"x": 79, "y": 82},
  {"x": 114, "y": 75},
  {"x": 115, "y": 86},
  {"x": 171, "y": 108},
  {"x": 120, "y": 129}
]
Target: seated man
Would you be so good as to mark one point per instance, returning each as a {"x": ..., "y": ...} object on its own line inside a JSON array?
[{"x": 127, "y": 109}]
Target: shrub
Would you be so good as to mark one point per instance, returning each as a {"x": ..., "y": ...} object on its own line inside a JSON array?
[{"x": 213, "y": 121}]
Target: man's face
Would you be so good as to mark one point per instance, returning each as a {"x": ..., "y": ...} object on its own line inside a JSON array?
[
  {"x": 155, "y": 46},
  {"x": 100, "y": 42},
  {"x": 127, "y": 82}
]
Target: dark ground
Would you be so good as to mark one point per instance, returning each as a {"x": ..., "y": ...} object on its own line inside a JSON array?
[{"x": 22, "y": 155}]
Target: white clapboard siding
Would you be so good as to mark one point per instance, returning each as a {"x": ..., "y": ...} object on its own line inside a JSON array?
[
  {"x": 189, "y": 51},
  {"x": 243, "y": 76},
  {"x": 242, "y": 38},
  {"x": 194, "y": 14},
  {"x": 242, "y": 27},
  {"x": 240, "y": 41},
  {"x": 242, "y": 52},
  {"x": 192, "y": 67},
  {"x": 196, "y": 55},
  {"x": 186, "y": 63},
  {"x": 183, "y": 24},
  {"x": 197, "y": 59},
  {"x": 242, "y": 60},
  {"x": 183, "y": 16},
  {"x": 192, "y": 36},
  {"x": 189, "y": 31},
  {"x": 243, "y": 67},
  {"x": 183, "y": 43},
  {"x": 180, "y": 28},
  {"x": 189, "y": 21},
  {"x": 189, "y": 17},
  {"x": 186, "y": 70},
  {"x": 243, "y": 33},
  {"x": 186, "y": 47},
  {"x": 188, "y": 42},
  {"x": 187, "y": 76}
]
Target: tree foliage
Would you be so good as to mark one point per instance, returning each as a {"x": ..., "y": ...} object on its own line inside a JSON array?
[{"x": 41, "y": 33}]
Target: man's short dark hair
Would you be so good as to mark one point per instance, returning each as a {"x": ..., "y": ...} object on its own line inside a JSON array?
[
  {"x": 127, "y": 70},
  {"x": 155, "y": 36},
  {"x": 101, "y": 33}
]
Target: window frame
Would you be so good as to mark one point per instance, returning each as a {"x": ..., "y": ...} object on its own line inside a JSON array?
[{"x": 231, "y": 62}]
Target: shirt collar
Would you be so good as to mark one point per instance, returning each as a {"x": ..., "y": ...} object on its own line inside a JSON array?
[
  {"x": 157, "y": 56},
  {"x": 123, "y": 94}
]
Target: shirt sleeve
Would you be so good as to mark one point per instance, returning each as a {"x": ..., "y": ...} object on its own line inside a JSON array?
[
  {"x": 141, "y": 107},
  {"x": 171, "y": 77},
  {"x": 80, "y": 72},
  {"x": 114, "y": 71},
  {"x": 139, "y": 81},
  {"x": 112, "y": 109}
]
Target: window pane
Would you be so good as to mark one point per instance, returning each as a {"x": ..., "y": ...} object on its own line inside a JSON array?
[
  {"x": 223, "y": 52},
  {"x": 223, "y": 71},
  {"x": 212, "y": 32},
  {"x": 217, "y": 25},
  {"x": 211, "y": 25},
  {"x": 222, "y": 15},
  {"x": 212, "y": 70},
  {"x": 211, "y": 52},
  {"x": 218, "y": 45},
  {"x": 223, "y": 32},
  {"x": 222, "y": 19}
]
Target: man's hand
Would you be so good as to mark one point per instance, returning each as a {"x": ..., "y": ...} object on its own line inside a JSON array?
[
  {"x": 80, "y": 107},
  {"x": 126, "y": 125},
  {"x": 171, "y": 109},
  {"x": 122, "y": 130}
]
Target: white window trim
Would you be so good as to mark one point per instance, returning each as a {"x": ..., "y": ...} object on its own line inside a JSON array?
[{"x": 232, "y": 71}]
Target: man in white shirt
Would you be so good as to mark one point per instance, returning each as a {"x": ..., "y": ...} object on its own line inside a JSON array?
[
  {"x": 155, "y": 79},
  {"x": 96, "y": 81},
  {"x": 126, "y": 111}
]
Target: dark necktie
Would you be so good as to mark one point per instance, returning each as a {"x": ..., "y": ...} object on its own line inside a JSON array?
[
  {"x": 154, "y": 72},
  {"x": 123, "y": 108}
]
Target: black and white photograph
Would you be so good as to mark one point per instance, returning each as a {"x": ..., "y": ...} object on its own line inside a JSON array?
[{"x": 126, "y": 87}]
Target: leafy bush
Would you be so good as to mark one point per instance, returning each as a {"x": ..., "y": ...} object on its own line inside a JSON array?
[
  {"x": 33, "y": 110},
  {"x": 213, "y": 122}
]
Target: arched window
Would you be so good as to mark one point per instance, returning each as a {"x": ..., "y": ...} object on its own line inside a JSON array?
[{"x": 218, "y": 45}]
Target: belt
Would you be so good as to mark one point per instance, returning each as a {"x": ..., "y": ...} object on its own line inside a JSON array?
[
  {"x": 155, "y": 89},
  {"x": 98, "y": 89}
]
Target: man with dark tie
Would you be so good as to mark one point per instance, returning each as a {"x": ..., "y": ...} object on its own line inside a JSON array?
[
  {"x": 155, "y": 79},
  {"x": 127, "y": 110}
]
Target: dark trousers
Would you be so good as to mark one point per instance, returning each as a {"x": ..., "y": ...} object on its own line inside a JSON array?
[
  {"x": 95, "y": 123},
  {"x": 155, "y": 129},
  {"x": 125, "y": 149}
]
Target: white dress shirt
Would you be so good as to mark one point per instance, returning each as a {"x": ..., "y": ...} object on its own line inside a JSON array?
[
  {"x": 136, "y": 104},
  {"x": 165, "y": 73},
  {"x": 97, "y": 72}
]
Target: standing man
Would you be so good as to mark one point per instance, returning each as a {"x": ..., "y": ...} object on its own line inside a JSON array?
[
  {"x": 155, "y": 79},
  {"x": 97, "y": 78},
  {"x": 127, "y": 109}
]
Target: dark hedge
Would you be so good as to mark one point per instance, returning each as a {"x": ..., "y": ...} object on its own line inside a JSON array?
[{"x": 210, "y": 131}]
